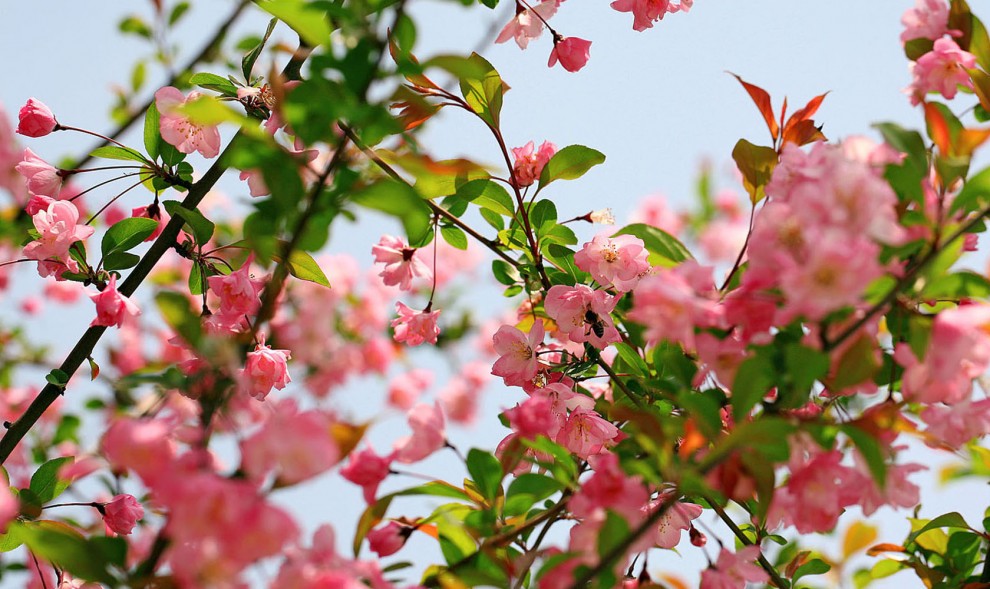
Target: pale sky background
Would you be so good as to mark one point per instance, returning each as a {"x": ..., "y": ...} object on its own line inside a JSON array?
[{"x": 656, "y": 103}]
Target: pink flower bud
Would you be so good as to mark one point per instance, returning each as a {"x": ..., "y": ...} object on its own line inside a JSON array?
[
  {"x": 122, "y": 514},
  {"x": 111, "y": 306},
  {"x": 572, "y": 52},
  {"x": 42, "y": 177},
  {"x": 35, "y": 119},
  {"x": 265, "y": 369},
  {"x": 387, "y": 540}
]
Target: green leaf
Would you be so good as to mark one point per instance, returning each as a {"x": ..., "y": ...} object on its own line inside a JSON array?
[
  {"x": 200, "y": 227},
  {"x": 177, "y": 13},
  {"x": 665, "y": 250},
  {"x": 486, "y": 472},
  {"x": 57, "y": 377},
  {"x": 542, "y": 214},
  {"x": 127, "y": 233},
  {"x": 906, "y": 178},
  {"x": 214, "y": 82},
  {"x": 45, "y": 483},
  {"x": 62, "y": 546},
  {"x": 946, "y": 520},
  {"x": 632, "y": 359},
  {"x": 753, "y": 381},
  {"x": 487, "y": 194},
  {"x": 756, "y": 164},
  {"x": 455, "y": 237},
  {"x": 869, "y": 448},
  {"x": 814, "y": 566},
  {"x": 375, "y": 512},
  {"x": 528, "y": 489},
  {"x": 400, "y": 200},
  {"x": 505, "y": 273},
  {"x": 118, "y": 260},
  {"x": 974, "y": 195},
  {"x": 484, "y": 93},
  {"x": 114, "y": 152},
  {"x": 306, "y": 19},
  {"x": 11, "y": 540},
  {"x": 247, "y": 63},
  {"x": 570, "y": 163},
  {"x": 175, "y": 310},
  {"x": 152, "y": 132},
  {"x": 304, "y": 267}
]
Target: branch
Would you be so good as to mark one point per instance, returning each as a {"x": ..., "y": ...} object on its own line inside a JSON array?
[{"x": 84, "y": 347}]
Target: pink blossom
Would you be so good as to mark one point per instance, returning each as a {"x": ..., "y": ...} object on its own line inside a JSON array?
[
  {"x": 405, "y": 389},
  {"x": 388, "y": 539},
  {"x": 415, "y": 327},
  {"x": 265, "y": 369},
  {"x": 111, "y": 306},
  {"x": 256, "y": 182},
  {"x": 35, "y": 119},
  {"x": 942, "y": 70},
  {"x": 527, "y": 165},
  {"x": 562, "y": 399},
  {"x": 401, "y": 263},
  {"x": 675, "y": 520},
  {"x": 295, "y": 445},
  {"x": 58, "y": 230},
  {"x": 176, "y": 128},
  {"x": 673, "y": 302},
  {"x": 572, "y": 52},
  {"x": 239, "y": 292},
  {"x": 527, "y": 25},
  {"x": 647, "y": 12},
  {"x": 427, "y": 437},
  {"x": 459, "y": 398},
  {"x": 533, "y": 417},
  {"x": 616, "y": 262},
  {"x": 958, "y": 423},
  {"x": 583, "y": 314},
  {"x": 368, "y": 470},
  {"x": 610, "y": 488},
  {"x": 734, "y": 570},
  {"x": 816, "y": 494},
  {"x": 929, "y": 19},
  {"x": 585, "y": 433},
  {"x": 42, "y": 178},
  {"x": 121, "y": 514},
  {"x": 10, "y": 156},
  {"x": 517, "y": 361},
  {"x": 141, "y": 445},
  {"x": 654, "y": 210}
]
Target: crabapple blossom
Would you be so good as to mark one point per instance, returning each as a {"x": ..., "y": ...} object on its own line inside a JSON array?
[
  {"x": 176, "y": 128},
  {"x": 527, "y": 24},
  {"x": 415, "y": 327},
  {"x": 672, "y": 302},
  {"x": 401, "y": 262},
  {"x": 675, "y": 520},
  {"x": 405, "y": 389},
  {"x": 42, "y": 178},
  {"x": 610, "y": 488},
  {"x": 295, "y": 445},
  {"x": 929, "y": 19},
  {"x": 958, "y": 423},
  {"x": 35, "y": 119},
  {"x": 562, "y": 399},
  {"x": 571, "y": 52},
  {"x": 734, "y": 570},
  {"x": 112, "y": 308},
  {"x": 427, "y": 437},
  {"x": 528, "y": 164},
  {"x": 142, "y": 445},
  {"x": 265, "y": 369},
  {"x": 517, "y": 361},
  {"x": 10, "y": 507},
  {"x": 239, "y": 293},
  {"x": 533, "y": 417},
  {"x": 367, "y": 470},
  {"x": 586, "y": 433},
  {"x": 647, "y": 12},
  {"x": 121, "y": 514},
  {"x": 58, "y": 230},
  {"x": 942, "y": 70},
  {"x": 615, "y": 262},
  {"x": 583, "y": 314}
]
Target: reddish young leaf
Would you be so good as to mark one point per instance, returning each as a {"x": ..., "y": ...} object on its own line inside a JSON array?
[
  {"x": 798, "y": 127},
  {"x": 762, "y": 100},
  {"x": 938, "y": 128}
]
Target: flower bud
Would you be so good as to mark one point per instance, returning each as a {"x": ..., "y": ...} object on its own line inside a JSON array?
[{"x": 35, "y": 119}]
